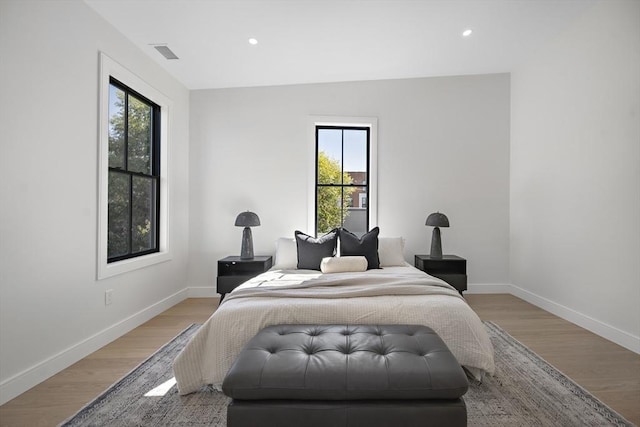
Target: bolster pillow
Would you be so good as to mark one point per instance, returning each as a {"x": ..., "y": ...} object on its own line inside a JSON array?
[{"x": 343, "y": 264}]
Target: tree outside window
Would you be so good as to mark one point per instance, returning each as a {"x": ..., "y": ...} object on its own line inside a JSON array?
[{"x": 333, "y": 201}]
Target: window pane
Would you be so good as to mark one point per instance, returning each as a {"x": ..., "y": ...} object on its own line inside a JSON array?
[
  {"x": 139, "y": 141},
  {"x": 355, "y": 155},
  {"x": 119, "y": 227},
  {"x": 143, "y": 214},
  {"x": 329, "y": 156},
  {"x": 355, "y": 218},
  {"x": 116, "y": 127},
  {"x": 355, "y": 197},
  {"x": 330, "y": 209}
]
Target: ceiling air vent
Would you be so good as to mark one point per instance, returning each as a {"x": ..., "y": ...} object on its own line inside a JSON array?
[{"x": 165, "y": 51}]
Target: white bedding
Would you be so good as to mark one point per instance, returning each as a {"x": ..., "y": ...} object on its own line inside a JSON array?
[{"x": 392, "y": 295}]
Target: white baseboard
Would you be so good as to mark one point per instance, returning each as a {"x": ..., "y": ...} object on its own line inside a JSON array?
[
  {"x": 29, "y": 378},
  {"x": 598, "y": 327},
  {"x": 602, "y": 329}
]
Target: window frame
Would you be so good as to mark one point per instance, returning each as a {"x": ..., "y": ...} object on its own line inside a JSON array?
[
  {"x": 343, "y": 122},
  {"x": 318, "y": 128},
  {"x": 111, "y": 69},
  {"x": 154, "y": 174}
]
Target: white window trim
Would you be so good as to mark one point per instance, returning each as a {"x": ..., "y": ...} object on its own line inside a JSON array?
[
  {"x": 110, "y": 68},
  {"x": 372, "y": 124}
]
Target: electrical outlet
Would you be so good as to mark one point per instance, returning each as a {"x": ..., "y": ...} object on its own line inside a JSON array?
[{"x": 108, "y": 297}]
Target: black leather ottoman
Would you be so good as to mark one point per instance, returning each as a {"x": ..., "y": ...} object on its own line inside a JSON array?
[{"x": 346, "y": 375}]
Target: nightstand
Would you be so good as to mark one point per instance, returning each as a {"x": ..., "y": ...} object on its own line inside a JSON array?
[
  {"x": 450, "y": 268},
  {"x": 233, "y": 271}
]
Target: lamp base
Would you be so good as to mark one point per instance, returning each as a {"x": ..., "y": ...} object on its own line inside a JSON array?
[
  {"x": 246, "y": 252},
  {"x": 436, "y": 244}
]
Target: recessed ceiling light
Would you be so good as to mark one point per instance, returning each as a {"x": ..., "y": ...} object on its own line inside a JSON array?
[
  {"x": 253, "y": 41},
  {"x": 467, "y": 32}
]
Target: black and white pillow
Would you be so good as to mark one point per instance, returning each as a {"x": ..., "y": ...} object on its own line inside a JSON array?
[
  {"x": 312, "y": 250},
  {"x": 366, "y": 246}
]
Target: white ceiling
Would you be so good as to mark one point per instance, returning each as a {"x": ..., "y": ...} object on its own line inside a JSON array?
[{"x": 311, "y": 41}]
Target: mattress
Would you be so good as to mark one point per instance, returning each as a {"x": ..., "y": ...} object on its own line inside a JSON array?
[{"x": 391, "y": 295}]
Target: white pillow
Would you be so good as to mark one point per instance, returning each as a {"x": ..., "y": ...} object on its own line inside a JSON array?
[
  {"x": 286, "y": 254},
  {"x": 391, "y": 251},
  {"x": 343, "y": 264}
]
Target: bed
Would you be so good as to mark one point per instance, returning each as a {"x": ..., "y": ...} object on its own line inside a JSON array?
[{"x": 392, "y": 294}]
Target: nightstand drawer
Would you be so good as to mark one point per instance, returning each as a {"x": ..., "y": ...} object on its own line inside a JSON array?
[
  {"x": 233, "y": 266},
  {"x": 448, "y": 264}
]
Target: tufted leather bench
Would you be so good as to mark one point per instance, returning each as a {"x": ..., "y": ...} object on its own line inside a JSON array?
[{"x": 346, "y": 375}]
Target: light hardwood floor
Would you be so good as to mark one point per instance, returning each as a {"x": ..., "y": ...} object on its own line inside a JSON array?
[{"x": 605, "y": 369}]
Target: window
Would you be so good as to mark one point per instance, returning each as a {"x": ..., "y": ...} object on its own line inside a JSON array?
[
  {"x": 342, "y": 177},
  {"x": 133, "y": 196},
  {"x": 134, "y": 174}
]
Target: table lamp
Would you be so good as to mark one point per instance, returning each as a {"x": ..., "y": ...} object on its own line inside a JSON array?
[
  {"x": 247, "y": 220},
  {"x": 436, "y": 220}
]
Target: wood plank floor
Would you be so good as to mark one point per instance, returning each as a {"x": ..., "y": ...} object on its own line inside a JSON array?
[{"x": 605, "y": 369}]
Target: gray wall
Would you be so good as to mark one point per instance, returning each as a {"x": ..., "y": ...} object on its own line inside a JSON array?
[
  {"x": 52, "y": 309},
  {"x": 443, "y": 144},
  {"x": 575, "y": 174}
]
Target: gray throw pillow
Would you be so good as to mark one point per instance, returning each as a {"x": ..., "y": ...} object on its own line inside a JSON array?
[
  {"x": 312, "y": 250},
  {"x": 367, "y": 246}
]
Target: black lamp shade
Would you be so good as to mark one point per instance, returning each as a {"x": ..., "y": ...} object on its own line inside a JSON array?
[
  {"x": 247, "y": 219},
  {"x": 437, "y": 219}
]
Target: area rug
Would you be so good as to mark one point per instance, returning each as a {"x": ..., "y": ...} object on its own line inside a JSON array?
[{"x": 525, "y": 391}]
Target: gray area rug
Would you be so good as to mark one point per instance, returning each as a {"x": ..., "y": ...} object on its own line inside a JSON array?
[{"x": 525, "y": 391}]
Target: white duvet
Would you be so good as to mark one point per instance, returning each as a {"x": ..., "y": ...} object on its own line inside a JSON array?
[{"x": 392, "y": 295}]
